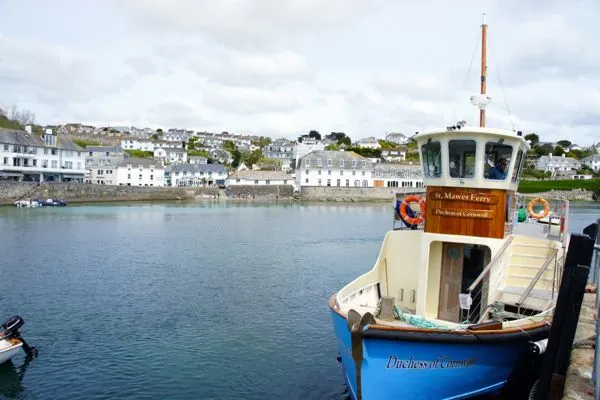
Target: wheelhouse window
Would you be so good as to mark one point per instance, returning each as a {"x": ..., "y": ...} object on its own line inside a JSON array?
[
  {"x": 518, "y": 165},
  {"x": 461, "y": 156},
  {"x": 431, "y": 154},
  {"x": 497, "y": 160}
]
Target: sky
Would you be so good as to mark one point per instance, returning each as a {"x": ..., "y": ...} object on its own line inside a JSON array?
[{"x": 282, "y": 68}]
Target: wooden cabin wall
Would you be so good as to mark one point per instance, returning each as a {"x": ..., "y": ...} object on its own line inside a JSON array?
[{"x": 464, "y": 211}]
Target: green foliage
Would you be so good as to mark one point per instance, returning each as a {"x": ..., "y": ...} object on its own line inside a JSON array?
[
  {"x": 85, "y": 143},
  {"x": 262, "y": 141},
  {"x": 366, "y": 152},
  {"x": 140, "y": 153},
  {"x": 534, "y": 138},
  {"x": 156, "y": 136},
  {"x": 564, "y": 143},
  {"x": 201, "y": 153},
  {"x": 247, "y": 157},
  {"x": 332, "y": 147},
  {"x": 5, "y": 122},
  {"x": 412, "y": 156},
  {"x": 543, "y": 150},
  {"x": 159, "y": 131},
  {"x": 412, "y": 145},
  {"x": 532, "y": 172},
  {"x": 340, "y": 138},
  {"x": 527, "y": 186},
  {"x": 558, "y": 151},
  {"x": 386, "y": 145},
  {"x": 228, "y": 145},
  {"x": 579, "y": 154},
  {"x": 312, "y": 134}
]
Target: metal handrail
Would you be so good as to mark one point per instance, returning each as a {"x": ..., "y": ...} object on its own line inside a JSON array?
[
  {"x": 490, "y": 264},
  {"x": 537, "y": 277},
  {"x": 596, "y": 367}
]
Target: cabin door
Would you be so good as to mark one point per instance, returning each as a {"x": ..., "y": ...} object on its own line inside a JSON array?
[{"x": 451, "y": 281}]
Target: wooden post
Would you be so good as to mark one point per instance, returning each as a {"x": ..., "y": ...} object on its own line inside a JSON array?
[{"x": 566, "y": 315}]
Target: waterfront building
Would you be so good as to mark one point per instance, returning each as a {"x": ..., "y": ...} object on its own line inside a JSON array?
[
  {"x": 557, "y": 164},
  {"x": 197, "y": 160},
  {"x": 252, "y": 177},
  {"x": 282, "y": 150},
  {"x": 306, "y": 146},
  {"x": 101, "y": 164},
  {"x": 369, "y": 142},
  {"x": 397, "y": 175},
  {"x": 194, "y": 175},
  {"x": 334, "y": 168},
  {"x": 25, "y": 156},
  {"x": 397, "y": 138},
  {"x": 592, "y": 162},
  {"x": 170, "y": 155},
  {"x": 135, "y": 171}
]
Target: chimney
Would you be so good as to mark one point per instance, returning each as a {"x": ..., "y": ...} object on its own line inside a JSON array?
[
  {"x": 550, "y": 155},
  {"x": 28, "y": 128},
  {"x": 564, "y": 155}
]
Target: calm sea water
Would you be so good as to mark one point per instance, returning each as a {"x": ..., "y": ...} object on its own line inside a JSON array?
[{"x": 185, "y": 301}]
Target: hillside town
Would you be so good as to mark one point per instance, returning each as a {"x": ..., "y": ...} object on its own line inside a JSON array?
[{"x": 130, "y": 156}]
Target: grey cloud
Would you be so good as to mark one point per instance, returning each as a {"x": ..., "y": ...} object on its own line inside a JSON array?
[{"x": 174, "y": 113}]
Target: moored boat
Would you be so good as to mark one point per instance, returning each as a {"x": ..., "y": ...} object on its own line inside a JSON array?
[
  {"x": 28, "y": 203},
  {"x": 461, "y": 292},
  {"x": 11, "y": 341}
]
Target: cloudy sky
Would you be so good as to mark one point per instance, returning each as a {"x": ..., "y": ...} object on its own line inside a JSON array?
[{"x": 283, "y": 67}]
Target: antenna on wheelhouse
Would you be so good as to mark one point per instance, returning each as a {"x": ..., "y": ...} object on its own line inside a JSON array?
[{"x": 482, "y": 100}]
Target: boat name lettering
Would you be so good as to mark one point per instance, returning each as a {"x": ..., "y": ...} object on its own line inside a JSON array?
[
  {"x": 439, "y": 363},
  {"x": 454, "y": 212},
  {"x": 462, "y": 196}
]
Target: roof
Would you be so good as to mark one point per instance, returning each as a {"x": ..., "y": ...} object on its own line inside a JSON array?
[
  {"x": 110, "y": 149},
  {"x": 335, "y": 156},
  {"x": 136, "y": 161},
  {"x": 17, "y": 136},
  {"x": 198, "y": 168},
  {"x": 469, "y": 130},
  {"x": 261, "y": 175},
  {"x": 592, "y": 158}
]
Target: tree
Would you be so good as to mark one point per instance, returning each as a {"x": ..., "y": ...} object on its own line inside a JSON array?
[
  {"x": 564, "y": 143},
  {"x": 543, "y": 150},
  {"x": 15, "y": 118},
  {"x": 228, "y": 145},
  {"x": 386, "y": 145},
  {"x": 262, "y": 141},
  {"x": 558, "y": 151},
  {"x": 332, "y": 147},
  {"x": 314, "y": 134},
  {"x": 534, "y": 138},
  {"x": 159, "y": 131},
  {"x": 340, "y": 138}
]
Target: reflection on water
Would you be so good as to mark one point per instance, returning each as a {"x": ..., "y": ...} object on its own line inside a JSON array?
[{"x": 11, "y": 378}]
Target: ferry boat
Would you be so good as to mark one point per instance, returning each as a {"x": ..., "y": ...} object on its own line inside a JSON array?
[{"x": 461, "y": 290}]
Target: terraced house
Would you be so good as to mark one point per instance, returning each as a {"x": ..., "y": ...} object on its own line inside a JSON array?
[
  {"x": 334, "y": 168},
  {"x": 25, "y": 156}
]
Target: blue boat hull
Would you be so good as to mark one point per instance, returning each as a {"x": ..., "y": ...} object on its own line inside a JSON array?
[{"x": 427, "y": 369}]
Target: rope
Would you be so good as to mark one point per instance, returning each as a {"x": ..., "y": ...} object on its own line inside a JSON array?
[
  {"x": 458, "y": 103},
  {"x": 512, "y": 122},
  {"x": 587, "y": 343},
  {"x": 415, "y": 320}
]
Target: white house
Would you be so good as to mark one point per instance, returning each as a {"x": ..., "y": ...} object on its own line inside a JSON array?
[
  {"x": 592, "y": 162},
  {"x": 555, "y": 164},
  {"x": 397, "y": 138},
  {"x": 397, "y": 175},
  {"x": 101, "y": 164},
  {"x": 25, "y": 156},
  {"x": 393, "y": 155},
  {"x": 252, "y": 177},
  {"x": 135, "y": 171},
  {"x": 197, "y": 160},
  {"x": 334, "y": 168},
  {"x": 308, "y": 145},
  {"x": 198, "y": 175},
  {"x": 369, "y": 142},
  {"x": 282, "y": 150},
  {"x": 137, "y": 144},
  {"x": 170, "y": 155}
]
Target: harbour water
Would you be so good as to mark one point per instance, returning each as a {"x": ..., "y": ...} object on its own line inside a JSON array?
[{"x": 185, "y": 300}]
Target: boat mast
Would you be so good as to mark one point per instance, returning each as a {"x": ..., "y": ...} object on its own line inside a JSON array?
[{"x": 483, "y": 67}]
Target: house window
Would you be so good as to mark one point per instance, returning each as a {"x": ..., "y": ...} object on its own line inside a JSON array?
[
  {"x": 319, "y": 182},
  {"x": 285, "y": 182},
  {"x": 347, "y": 182},
  {"x": 307, "y": 171},
  {"x": 363, "y": 173},
  {"x": 364, "y": 163},
  {"x": 356, "y": 183},
  {"x": 151, "y": 177},
  {"x": 267, "y": 182},
  {"x": 54, "y": 164},
  {"x": 128, "y": 176},
  {"x": 328, "y": 182},
  {"x": 365, "y": 184},
  {"x": 306, "y": 180},
  {"x": 6, "y": 147},
  {"x": 237, "y": 181},
  {"x": 353, "y": 163},
  {"x": 256, "y": 182},
  {"x": 353, "y": 172},
  {"x": 341, "y": 163},
  {"x": 107, "y": 154},
  {"x": 339, "y": 182},
  {"x": 90, "y": 153},
  {"x": 341, "y": 173},
  {"x": 140, "y": 176},
  {"x": 319, "y": 172},
  {"x": 329, "y": 163},
  {"x": 329, "y": 172},
  {"x": 319, "y": 162}
]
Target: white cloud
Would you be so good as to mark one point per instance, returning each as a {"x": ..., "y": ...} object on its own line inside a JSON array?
[{"x": 285, "y": 67}]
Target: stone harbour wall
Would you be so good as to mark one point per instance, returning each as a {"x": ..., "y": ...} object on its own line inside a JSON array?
[
  {"x": 574, "y": 194},
  {"x": 353, "y": 194},
  {"x": 259, "y": 191},
  {"x": 81, "y": 192}
]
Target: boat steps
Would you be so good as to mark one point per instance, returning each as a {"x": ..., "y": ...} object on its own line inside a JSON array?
[
  {"x": 531, "y": 303},
  {"x": 532, "y": 250},
  {"x": 525, "y": 279}
]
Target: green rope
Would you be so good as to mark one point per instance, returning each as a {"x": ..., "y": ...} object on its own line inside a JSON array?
[{"x": 416, "y": 320}]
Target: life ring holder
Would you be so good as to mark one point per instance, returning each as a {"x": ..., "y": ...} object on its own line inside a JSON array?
[
  {"x": 419, "y": 219},
  {"x": 539, "y": 215}
]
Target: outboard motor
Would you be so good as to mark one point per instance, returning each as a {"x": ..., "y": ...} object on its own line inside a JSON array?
[{"x": 11, "y": 330}]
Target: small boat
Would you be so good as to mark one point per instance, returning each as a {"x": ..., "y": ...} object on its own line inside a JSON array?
[
  {"x": 28, "y": 203},
  {"x": 461, "y": 293},
  {"x": 52, "y": 203},
  {"x": 11, "y": 341}
]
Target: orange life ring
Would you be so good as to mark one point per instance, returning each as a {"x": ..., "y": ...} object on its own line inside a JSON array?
[
  {"x": 541, "y": 214},
  {"x": 419, "y": 219}
]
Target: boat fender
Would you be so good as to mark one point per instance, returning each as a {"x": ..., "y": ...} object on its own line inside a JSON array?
[
  {"x": 416, "y": 220},
  {"x": 542, "y": 214},
  {"x": 11, "y": 330},
  {"x": 538, "y": 347}
]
